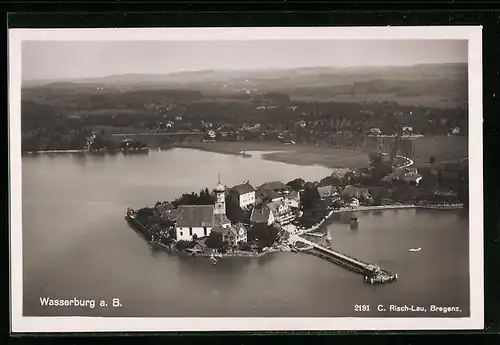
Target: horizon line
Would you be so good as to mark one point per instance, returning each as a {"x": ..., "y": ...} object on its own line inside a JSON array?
[{"x": 69, "y": 79}]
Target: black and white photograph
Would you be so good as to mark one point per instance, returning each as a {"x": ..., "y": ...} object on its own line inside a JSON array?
[{"x": 246, "y": 179}]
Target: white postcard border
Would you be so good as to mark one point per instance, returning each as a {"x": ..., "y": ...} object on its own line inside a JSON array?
[{"x": 21, "y": 324}]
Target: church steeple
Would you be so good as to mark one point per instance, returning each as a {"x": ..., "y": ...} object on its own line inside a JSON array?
[{"x": 220, "y": 198}]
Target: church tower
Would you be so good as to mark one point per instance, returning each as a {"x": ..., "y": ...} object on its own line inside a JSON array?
[{"x": 220, "y": 199}]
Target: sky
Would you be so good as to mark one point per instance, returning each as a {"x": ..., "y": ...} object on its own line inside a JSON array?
[{"x": 89, "y": 59}]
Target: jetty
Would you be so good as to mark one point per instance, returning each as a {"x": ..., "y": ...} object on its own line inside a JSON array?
[
  {"x": 315, "y": 234},
  {"x": 372, "y": 273}
]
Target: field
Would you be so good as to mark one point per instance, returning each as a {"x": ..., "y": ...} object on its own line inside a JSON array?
[
  {"x": 434, "y": 101},
  {"x": 293, "y": 154},
  {"x": 443, "y": 149}
]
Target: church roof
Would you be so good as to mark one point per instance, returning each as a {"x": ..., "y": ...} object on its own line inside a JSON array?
[
  {"x": 220, "y": 220},
  {"x": 195, "y": 216}
]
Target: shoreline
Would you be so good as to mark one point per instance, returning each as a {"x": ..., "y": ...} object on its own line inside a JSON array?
[
  {"x": 443, "y": 207},
  {"x": 225, "y": 255},
  {"x": 283, "y": 248},
  {"x": 87, "y": 151},
  {"x": 295, "y": 154}
]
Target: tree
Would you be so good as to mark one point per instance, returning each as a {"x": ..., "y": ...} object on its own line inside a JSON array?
[
  {"x": 244, "y": 246},
  {"x": 296, "y": 184},
  {"x": 265, "y": 235},
  {"x": 376, "y": 158},
  {"x": 214, "y": 240},
  {"x": 310, "y": 197},
  {"x": 235, "y": 213}
]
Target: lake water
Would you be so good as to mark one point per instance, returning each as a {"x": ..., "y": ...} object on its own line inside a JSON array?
[{"x": 76, "y": 243}]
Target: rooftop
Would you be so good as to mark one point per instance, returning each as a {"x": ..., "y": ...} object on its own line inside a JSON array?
[
  {"x": 274, "y": 185},
  {"x": 269, "y": 194},
  {"x": 243, "y": 188},
  {"x": 260, "y": 215},
  {"x": 327, "y": 191},
  {"x": 293, "y": 195},
  {"x": 195, "y": 216},
  {"x": 352, "y": 190}
]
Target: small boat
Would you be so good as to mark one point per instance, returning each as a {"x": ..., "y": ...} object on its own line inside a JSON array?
[
  {"x": 328, "y": 237},
  {"x": 414, "y": 249},
  {"x": 354, "y": 220},
  {"x": 214, "y": 259}
]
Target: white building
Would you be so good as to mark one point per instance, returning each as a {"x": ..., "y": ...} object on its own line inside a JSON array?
[
  {"x": 199, "y": 220},
  {"x": 293, "y": 199},
  {"x": 326, "y": 192},
  {"x": 407, "y": 130},
  {"x": 243, "y": 194},
  {"x": 281, "y": 211},
  {"x": 194, "y": 220},
  {"x": 262, "y": 215},
  {"x": 354, "y": 202},
  {"x": 233, "y": 234}
]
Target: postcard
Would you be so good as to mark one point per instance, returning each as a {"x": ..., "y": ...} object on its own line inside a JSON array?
[{"x": 246, "y": 179}]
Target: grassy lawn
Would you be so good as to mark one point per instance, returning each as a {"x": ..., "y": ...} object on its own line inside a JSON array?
[{"x": 443, "y": 149}]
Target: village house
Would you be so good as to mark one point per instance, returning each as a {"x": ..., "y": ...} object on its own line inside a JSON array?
[
  {"x": 281, "y": 211},
  {"x": 301, "y": 123},
  {"x": 243, "y": 194},
  {"x": 262, "y": 215},
  {"x": 355, "y": 192},
  {"x": 268, "y": 195},
  {"x": 409, "y": 175},
  {"x": 178, "y": 118},
  {"x": 454, "y": 131},
  {"x": 327, "y": 192},
  {"x": 276, "y": 186},
  {"x": 354, "y": 202},
  {"x": 293, "y": 199},
  {"x": 169, "y": 124},
  {"x": 233, "y": 234},
  {"x": 407, "y": 130},
  {"x": 375, "y": 131}
]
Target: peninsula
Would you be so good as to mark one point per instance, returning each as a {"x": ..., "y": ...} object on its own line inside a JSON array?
[{"x": 244, "y": 220}]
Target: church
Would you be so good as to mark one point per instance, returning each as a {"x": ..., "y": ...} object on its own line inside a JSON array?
[{"x": 198, "y": 221}]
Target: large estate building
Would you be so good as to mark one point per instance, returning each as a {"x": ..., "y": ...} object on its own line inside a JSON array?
[{"x": 243, "y": 195}]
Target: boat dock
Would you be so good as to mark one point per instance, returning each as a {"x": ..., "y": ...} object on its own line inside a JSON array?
[
  {"x": 315, "y": 234},
  {"x": 372, "y": 273}
]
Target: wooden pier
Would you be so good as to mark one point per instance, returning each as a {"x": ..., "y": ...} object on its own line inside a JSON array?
[{"x": 372, "y": 273}]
